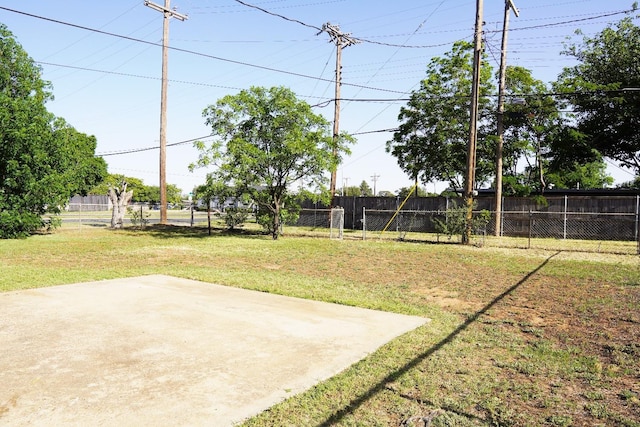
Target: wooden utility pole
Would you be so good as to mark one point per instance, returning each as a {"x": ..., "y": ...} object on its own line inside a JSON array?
[
  {"x": 473, "y": 125},
  {"x": 341, "y": 40},
  {"x": 168, "y": 13},
  {"x": 500, "y": 117},
  {"x": 374, "y": 177}
]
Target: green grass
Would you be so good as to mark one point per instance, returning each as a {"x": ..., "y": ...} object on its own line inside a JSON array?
[{"x": 517, "y": 337}]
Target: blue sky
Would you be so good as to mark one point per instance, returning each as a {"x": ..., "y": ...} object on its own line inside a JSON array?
[{"x": 109, "y": 86}]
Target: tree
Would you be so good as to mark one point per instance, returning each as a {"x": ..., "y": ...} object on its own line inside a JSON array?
[
  {"x": 607, "y": 113},
  {"x": 115, "y": 180},
  {"x": 365, "y": 190},
  {"x": 266, "y": 141},
  {"x": 635, "y": 183},
  {"x": 214, "y": 189},
  {"x": 120, "y": 198},
  {"x": 141, "y": 193},
  {"x": 431, "y": 141},
  {"x": 43, "y": 160},
  {"x": 351, "y": 191},
  {"x": 151, "y": 194},
  {"x": 537, "y": 131},
  {"x": 417, "y": 192},
  {"x": 531, "y": 125},
  {"x": 574, "y": 164}
]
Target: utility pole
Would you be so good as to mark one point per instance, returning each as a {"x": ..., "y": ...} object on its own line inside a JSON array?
[
  {"x": 341, "y": 40},
  {"x": 345, "y": 183},
  {"x": 168, "y": 13},
  {"x": 374, "y": 177},
  {"x": 500, "y": 117},
  {"x": 473, "y": 125}
]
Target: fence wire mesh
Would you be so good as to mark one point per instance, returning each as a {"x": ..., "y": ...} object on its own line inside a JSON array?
[
  {"x": 607, "y": 232},
  {"x": 94, "y": 214},
  {"x": 568, "y": 231},
  {"x": 337, "y": 224},
  {"x": 314, "y": 218}
]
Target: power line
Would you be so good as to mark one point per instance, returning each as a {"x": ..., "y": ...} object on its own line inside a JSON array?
[
  {"x": 139, "y": 150},
  {"x": 618, "y": 167},
  {"x": 228, "y": 7},
  {"x": 278, "y": 15},
  {"x": 359, "y": 39},
  {"x": 376, "y": 131},
  {"x": 232, "y": 61},
  {"x": 328, "y": 101},
  {"x": 573, "y": 21},
  {"x": 274, "y": 69}
]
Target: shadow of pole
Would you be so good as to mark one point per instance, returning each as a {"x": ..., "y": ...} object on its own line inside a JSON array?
[{"x": 380, "y": 386}]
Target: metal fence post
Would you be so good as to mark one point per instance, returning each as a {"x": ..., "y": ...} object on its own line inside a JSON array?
[
  {"x": 637, "y": 213},
  {"x": 353, "y": 215},
  {"x": 446, "y": 211},
  {"x": 315, "y": 215},
  {"x": 564, "y": 226},
  {"x": 530, "y": 222},
  {"x": 399, "y": 216},
  {"x": 502, "y": 219},
  {"x": 637, "y": 219},
  {"x": 364, "y": 223}
]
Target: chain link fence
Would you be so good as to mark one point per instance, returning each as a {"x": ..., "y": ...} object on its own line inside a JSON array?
[
  {"x": 96, "y": 214},
  {"x": 314, "y": 218},
  {"x": 570, "y": 231},
  {"x": 607, "y": 232}
]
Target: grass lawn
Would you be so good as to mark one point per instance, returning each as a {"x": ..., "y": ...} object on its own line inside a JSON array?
[{"x": 517, "y": 338}]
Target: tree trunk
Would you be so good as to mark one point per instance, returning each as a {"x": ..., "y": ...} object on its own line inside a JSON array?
[
  {"x": 540, "y": 171},
  {"x": 276, "y": 220},
  {"x": 120, "y": 198}
]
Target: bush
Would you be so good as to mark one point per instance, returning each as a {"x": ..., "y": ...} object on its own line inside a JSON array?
[
  {"x": 235, "y": 217},
  {"x": 137, "y": 217},
  {"x": 455, "y": 222},
  {"x": 14, "y": 224}
]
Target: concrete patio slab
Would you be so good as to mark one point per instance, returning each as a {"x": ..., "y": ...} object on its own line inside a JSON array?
[{"x": 159, "y": 350}]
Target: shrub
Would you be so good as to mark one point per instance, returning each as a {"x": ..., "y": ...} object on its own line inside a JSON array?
[{"x": 455, "y": 222}]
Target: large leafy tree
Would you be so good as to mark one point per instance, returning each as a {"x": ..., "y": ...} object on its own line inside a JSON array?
[
  {"x": 43, "y": 160},
  {"x": 430, "y": 143},
  {"x": 115, "y": 180},
  {"x": 267, "y": 141},
  {"x": 141, "y": 193},
  {"x": 537, "y": 132},
  {"x": 604, "y": 91}
]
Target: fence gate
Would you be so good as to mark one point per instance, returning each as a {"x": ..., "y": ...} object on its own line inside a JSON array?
[{"x": 337, "y": 223}]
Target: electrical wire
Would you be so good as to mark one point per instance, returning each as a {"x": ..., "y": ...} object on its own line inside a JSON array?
[
  {"x": 232, "y": 61},
  {"x": 573, "y": 21},
  {"x": 358, "y": 39},
  {"x": 139, "y": 150}
]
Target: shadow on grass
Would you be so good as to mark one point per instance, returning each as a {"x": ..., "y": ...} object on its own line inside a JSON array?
[
  {"x": 172, "y": 231},
  {"x": 382, "y": 384}
]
